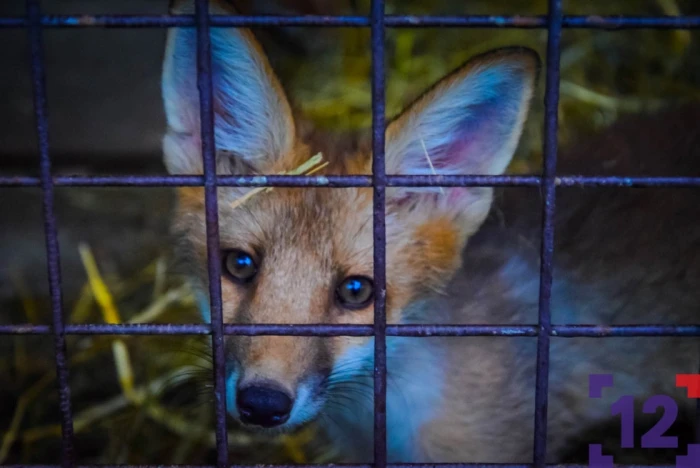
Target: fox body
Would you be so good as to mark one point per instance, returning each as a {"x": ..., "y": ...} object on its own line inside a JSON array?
[{"x": 304, "y": 256}]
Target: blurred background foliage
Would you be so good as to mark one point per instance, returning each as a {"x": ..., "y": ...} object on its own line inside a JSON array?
[{"x": 605, "y": 74}]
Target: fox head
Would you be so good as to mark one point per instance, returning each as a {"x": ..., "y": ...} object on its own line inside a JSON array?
[{"x": 305, "y": 255}]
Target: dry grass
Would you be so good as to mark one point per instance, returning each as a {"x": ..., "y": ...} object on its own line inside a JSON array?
[{"x": 312, "y": 165}]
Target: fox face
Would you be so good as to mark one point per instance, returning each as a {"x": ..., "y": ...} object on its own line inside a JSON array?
[{"x": 305, "y": 255}]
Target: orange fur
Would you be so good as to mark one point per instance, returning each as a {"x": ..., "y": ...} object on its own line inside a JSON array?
[
  {"x": 306, "y": 241},
  {"x": 440, "y": 246}
]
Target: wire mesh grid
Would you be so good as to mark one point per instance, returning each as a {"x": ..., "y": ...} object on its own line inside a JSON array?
[{"x": 377, "y": 21}]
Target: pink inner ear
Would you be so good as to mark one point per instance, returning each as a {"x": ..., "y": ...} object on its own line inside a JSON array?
[
  {"x": 456, "y": 195},
  {"x": 468, "y": 153},
  {"x": 475, "y": 139},
  {"x": 463, "y": 147}
]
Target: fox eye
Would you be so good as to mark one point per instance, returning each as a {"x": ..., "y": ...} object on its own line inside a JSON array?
[
  {"x": 240, "y": 266},
  {"x": 355, "y": 292}
]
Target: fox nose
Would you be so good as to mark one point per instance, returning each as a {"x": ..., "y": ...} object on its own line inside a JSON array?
[{"x": 263, "y": 406}]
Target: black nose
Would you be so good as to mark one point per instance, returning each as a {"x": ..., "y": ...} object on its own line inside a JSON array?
[{"x": 263, "y": 406}]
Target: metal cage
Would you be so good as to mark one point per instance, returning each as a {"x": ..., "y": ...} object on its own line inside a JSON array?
[{"x": 35, "y": 22}]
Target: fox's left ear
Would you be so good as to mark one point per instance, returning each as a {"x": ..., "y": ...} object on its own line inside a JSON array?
[
  {"x": 253, "y": 122},
  {"x": 468, "y": 123}
]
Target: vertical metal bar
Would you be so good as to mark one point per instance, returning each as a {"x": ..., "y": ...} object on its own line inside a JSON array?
[
  {"x": 53, "y": 254},
  {"x": 379, "y": 183},
  {"x": 206, "y": 109},
  {"x": 551, "y": 102}
]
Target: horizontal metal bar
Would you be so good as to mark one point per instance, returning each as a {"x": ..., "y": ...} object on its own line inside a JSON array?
[
  {"x": 193, "y": 329},
  {"x": 194, "y": 181},
  {"x": 600, "y": 181},
  {"x": 25, "y": 329},
  {"x": 466, "y": 21},
  {"x": 463, "y": 180},
  {"x": 389, "y": 465},
  {"x": 352, "y": 181},
  {"x": 169, "y": 21},
  {"x": 392, "y": 21},
  {"x": 600, "y": 331},
  {"x": 110, "y": 329},
  {"x": 631, "y": 22},
  {"x": 119, "y": 21},
  {"x": 14, "y": 22},
  {"x": 274, "y": 181},
  {"x": 107, "y": 181},
  {"x": 300, "y": 20},
  {"x": 461, "y": 330},
  {"x": 540, "y": 22},
  {"x": 415, "y": 330}
]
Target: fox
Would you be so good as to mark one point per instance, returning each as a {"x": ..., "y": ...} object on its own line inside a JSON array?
[{"x": 454, "y": 255}]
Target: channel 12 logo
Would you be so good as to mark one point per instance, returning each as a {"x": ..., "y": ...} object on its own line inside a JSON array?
[{"x": 655, "y": 437}]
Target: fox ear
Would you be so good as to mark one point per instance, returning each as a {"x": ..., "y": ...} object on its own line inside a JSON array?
[
  {"x": 252, "y": 117},
  {"x": 468, "y": 123}
]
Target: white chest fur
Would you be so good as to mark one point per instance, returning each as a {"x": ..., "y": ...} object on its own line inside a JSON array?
[{"x": 415, "y": 380}]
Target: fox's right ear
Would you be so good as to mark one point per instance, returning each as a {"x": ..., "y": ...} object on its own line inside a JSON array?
[
  {"x": 254, "y": 127},
  {"x": 468, "y": 123}
]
